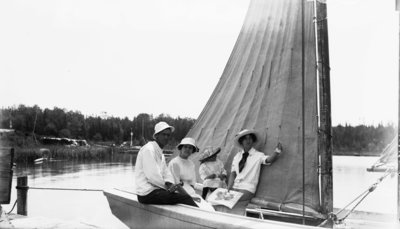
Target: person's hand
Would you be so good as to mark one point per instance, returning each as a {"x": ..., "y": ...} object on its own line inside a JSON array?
[
  {"x": 222, "y": 176},
  {"x": 278, "y": 148},
  {"x": 212, "y": 176},
  {"x": 172, "y": 187}
]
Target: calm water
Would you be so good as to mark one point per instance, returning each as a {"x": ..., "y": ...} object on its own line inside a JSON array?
[{"x": 350, "y": 179}]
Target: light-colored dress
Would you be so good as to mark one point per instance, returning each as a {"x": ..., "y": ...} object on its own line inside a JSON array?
[
  {"x": 212, "y": 167},
  {"x": 183, "y": 170}
]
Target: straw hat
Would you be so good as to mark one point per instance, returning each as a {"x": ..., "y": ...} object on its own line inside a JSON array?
[
  {"x": 188, "y": 141},
  {"x": 160, "y": 127},
  {"x": 244, "y": 133},
  {"x": 208, "y": 153}
]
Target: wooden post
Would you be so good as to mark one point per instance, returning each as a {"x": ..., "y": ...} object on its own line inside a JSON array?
[
  {"x": 22, "y": 195},
  {"x": 6, "y": 173},
  {"x": 325, "y": 131}
]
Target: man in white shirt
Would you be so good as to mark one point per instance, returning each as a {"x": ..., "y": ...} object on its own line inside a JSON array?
[
  {"x": 246, "y": 166},
  {"x": 154, "y": 182}
]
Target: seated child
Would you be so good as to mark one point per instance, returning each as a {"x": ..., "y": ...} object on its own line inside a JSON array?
[{"x": 211, "y": 171}]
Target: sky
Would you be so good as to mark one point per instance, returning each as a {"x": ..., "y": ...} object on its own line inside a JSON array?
[{"x": 126, "y": 57}]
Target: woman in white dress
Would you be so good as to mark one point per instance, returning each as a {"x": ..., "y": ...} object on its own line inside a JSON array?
[{"x": 183, "y": 171}]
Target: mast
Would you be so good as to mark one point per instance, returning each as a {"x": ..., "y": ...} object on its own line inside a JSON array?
[
  {"x": 325, "y": 128},
  {"x": 398, "y": 131}
]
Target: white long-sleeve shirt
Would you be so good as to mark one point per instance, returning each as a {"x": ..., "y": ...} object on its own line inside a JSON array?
[
  {"x": 151, "y": 171},
  {"x": 248, "y": 178}
]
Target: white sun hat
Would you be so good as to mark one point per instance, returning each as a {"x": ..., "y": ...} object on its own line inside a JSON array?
[
  {"x": 188, "y": 141},
  {"x": 160, "y": 127},
  {"x": 244, "y": 133}
]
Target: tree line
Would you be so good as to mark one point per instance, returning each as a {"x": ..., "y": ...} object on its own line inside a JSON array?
[
  {"x": 362, "y": 138},
  {"x": 59, "y": 122}
]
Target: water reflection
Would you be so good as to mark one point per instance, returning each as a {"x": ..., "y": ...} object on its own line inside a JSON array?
[
  {"x": 84, "y": 206},
  {"x": 350, "y": 179},
  {"x": 59, "y": 167}
]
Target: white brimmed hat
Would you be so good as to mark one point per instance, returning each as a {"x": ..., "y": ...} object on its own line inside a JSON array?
[
  {"x": 208, "y": 153},
  {"x": 160, "y": 127},
  {"x": 188, "y": 141},
  {"x": 244, "y": 133}
]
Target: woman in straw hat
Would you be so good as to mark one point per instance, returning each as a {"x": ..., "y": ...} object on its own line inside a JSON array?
[
  {"x": 246, "y": 166},
  {"x": 211, "y": 171},
  {"x": 183, "y": 172}
]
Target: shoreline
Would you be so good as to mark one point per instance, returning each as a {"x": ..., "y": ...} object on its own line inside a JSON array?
[{"x": 358, "y": 154}]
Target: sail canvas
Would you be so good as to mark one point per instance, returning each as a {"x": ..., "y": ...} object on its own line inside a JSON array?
[{"x": 261, "y": 88}]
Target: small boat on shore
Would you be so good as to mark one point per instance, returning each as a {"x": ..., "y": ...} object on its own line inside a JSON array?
[
  {"x": 40, "y": 160},
  {"x": 388, "y": 159},
  {"x": 45, "y": 153}
]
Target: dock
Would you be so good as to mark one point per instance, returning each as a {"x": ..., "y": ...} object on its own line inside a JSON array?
[{"x": 20, "y": 221}]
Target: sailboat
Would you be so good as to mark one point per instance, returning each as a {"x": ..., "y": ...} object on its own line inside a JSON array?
[
  {"x": 276, "y": 81},
  {"x": 388, "y": 159}
]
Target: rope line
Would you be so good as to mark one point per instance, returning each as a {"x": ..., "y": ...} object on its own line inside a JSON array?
[
  {"x": 368, "y": 191},
  {"x": 63, "y": 189},
  {"x": 360, "y": 198},
  {"x": 12, "y": 207}
]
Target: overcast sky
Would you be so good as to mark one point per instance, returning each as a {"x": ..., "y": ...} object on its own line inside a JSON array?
[{"x": 126, "y": 57}]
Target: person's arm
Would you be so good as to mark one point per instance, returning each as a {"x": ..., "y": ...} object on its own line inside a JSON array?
[
  {"x": 212, "y": 176},
  {"x": 232, "y": 176},
  {"x": 203, "y": 171},
  {"x": 275, "y": 154},
  {"x": 151, "y": 169},
  {"x": 222, "y": 174},
  {"x": 175, "y": 171},
  {"x": 231, "y": 180},
  {"x": 166, "y": 173}
]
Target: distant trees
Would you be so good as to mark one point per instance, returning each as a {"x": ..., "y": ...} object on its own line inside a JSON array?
[
  {"x": 362, "y": 138},
  {"x": 58, "y": 122}
]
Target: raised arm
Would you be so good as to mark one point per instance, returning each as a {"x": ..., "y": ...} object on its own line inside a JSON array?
[{"x": 275, "y": 154}]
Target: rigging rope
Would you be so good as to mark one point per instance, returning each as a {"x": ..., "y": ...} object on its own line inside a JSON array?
[
  {"x": 334, "y": 216},
  {"x": 63, "y": 189},
  {"x": 302, "y": 107},
  {"x": 12, "y": 207},
  {"x": 69, "y": 189}
]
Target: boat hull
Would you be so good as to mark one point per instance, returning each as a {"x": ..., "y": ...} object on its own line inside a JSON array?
[{"x": 125, "y": 207}]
